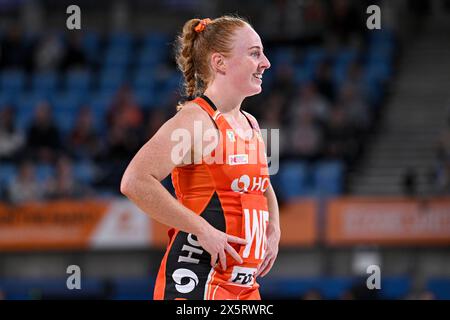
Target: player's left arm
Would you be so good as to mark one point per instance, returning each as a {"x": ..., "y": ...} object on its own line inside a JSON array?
[{"x": 273, "y": 229}]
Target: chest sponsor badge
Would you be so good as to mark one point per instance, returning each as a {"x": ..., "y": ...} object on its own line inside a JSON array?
[
  {"x": 230, "y": 135},
  {"x": 235, "y": 159}
]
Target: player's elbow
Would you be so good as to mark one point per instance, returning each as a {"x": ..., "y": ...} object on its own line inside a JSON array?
[{"x": 126, "y": 184}]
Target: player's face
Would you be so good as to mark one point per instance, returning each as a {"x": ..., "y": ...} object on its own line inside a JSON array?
[{"x": 247, "y": 62}]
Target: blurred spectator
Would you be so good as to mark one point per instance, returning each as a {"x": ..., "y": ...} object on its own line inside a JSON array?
[
  {"x": 339, "y": 136},
  {"x": 312, "y": 294},
  {"x": 284, "y": 79},
  {"x": 84, "y": 141},
  {"x": 358, "y": 112},
  {"x": 156, "y": 119},
  {"x": 48, "y": 54},
  {"x": 281, "y": 19},
  {"x": 43, "y": 137},
  {"x": 311, "y": 102},
  {"x": 25, "y": 186},
  {"x": 421, "y": 295},
  {"x": 355, "y": 80},
  {"x": 409, "y": 182},
  {"x": 314, "y": 15},
  {"x": 13, "y": 50},
  {"x": 74, "y": 56},
  {"x": 442, "y": 169},
  {"x": 11, "y": 139},
  {"x": 305, "y": 137},
  {"x": 443, "y": 143},
  {"x": 122, "y": 142},
  {"x": 65, "y": 185},
  {"x": 345, "y": 21},
  {"x": 443, "y": 178},
  {"x": 324, "y": 81},
  {"x": 359, "y": 291},
  {"x": 125, "y": 110},
  {"x": 271, "y": 119}
]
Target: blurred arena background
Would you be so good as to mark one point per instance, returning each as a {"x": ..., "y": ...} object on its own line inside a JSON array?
[{"x": 364, "y": 118}]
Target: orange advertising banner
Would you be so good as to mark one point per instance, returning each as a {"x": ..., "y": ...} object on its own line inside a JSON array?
[
  {"x": 388, "y": 221},
  {"x": 298, "y": 223},
  {"x": 73, "y": 225}
]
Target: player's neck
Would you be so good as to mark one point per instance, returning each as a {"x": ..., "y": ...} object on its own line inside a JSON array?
[{"x": 226, "y": 103}]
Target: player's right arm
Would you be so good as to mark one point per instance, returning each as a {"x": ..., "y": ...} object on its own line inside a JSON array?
[{"x": 153, "y": 162}]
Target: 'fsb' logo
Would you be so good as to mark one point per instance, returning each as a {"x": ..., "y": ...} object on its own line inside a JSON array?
[{"x": 244, "y": 276}]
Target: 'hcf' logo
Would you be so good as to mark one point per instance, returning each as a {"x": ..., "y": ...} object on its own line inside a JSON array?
[
  {"x": 180, "y": 276},
  {"x": 244, "y": 184}
]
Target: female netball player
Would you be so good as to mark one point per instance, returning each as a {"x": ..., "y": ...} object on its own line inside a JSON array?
[{"x": 225, "y": 225}]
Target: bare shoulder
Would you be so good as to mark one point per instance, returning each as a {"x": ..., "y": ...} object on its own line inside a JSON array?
[
  {"x": 252, "y": 119},
  {"x": 191, "y": 112}
]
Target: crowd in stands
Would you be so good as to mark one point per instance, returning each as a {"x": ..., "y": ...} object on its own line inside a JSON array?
[
  {"x": 441, "y": 171},
  {"x": 79, "y": 105}
]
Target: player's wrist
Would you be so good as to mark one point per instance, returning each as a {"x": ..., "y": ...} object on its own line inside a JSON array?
[{"x": 203, "y": 228}]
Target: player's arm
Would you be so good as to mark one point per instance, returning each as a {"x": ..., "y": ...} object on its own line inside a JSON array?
[
  {"x": 273, "y": 229},
  {"x": 274, "y": 220},
  {"x": 153, "y": 162}
]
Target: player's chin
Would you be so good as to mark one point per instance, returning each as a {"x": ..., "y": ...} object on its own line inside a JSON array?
[{"x": 255, "y": 89}]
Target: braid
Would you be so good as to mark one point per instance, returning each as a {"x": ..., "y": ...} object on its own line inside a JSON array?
[{"x": 185, "y": 56}]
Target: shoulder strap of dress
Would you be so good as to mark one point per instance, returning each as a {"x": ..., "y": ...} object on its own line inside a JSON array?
[{"x": 206, "y": 104}]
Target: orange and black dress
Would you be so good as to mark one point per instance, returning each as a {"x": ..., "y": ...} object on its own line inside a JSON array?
[{"x": 227, "y": 189}]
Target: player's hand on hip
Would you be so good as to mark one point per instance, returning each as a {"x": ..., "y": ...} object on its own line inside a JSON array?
[
  {"x": 273, "y": 240},
  {"x": 217, "y": 243}
]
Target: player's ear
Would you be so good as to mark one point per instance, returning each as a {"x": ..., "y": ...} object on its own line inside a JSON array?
[{"x": 218, "y": 63}]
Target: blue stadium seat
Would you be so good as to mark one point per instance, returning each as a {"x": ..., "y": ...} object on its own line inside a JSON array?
[
  {"x": 293, "y": 179},
  {"x": 25, "y": 108},
  {"x": 333, "y": 288},
  {"x": 328, "y": 178},
  {"x": 84, "y": 171},
  {"x": 395, "y": 287},
  {"x": 78, "y": 81},
  {"x": 26, "y": 289},
  {"x": 340, "y": 72},
  {"x": 7, "y": 173},
  {"x": 346, "y": 56},
  {"x": 120, "y": 40},
  {"x": 12, "y": 81},
  {"x": 44, "y": 83},
  {"x": 148, "y": 58},
  {"x": 156, "y": 40},
  {"x": 111, "y": 79},
  {"x": 5, "y": 99},
  {"x": 134, "y": 288},
  {"x": 440, "y": 287},
  {"x": 384, "y": 36},
  {"x": 67, "y": 101},
  {"x": 100, "y": 103},
  {"x": 303, "y": 74},
  {"x": 315, "y": 55},
  {"x": 65, "y": 109},
  {"x": 144, "y": 80},
  {"x": 44, "y": 172},
  {"x": 117, "y": 57},
  {"x": 145, "y": 98},
  {"x": 287, "y": 288},
  {"x": 91, "y": 46}
]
